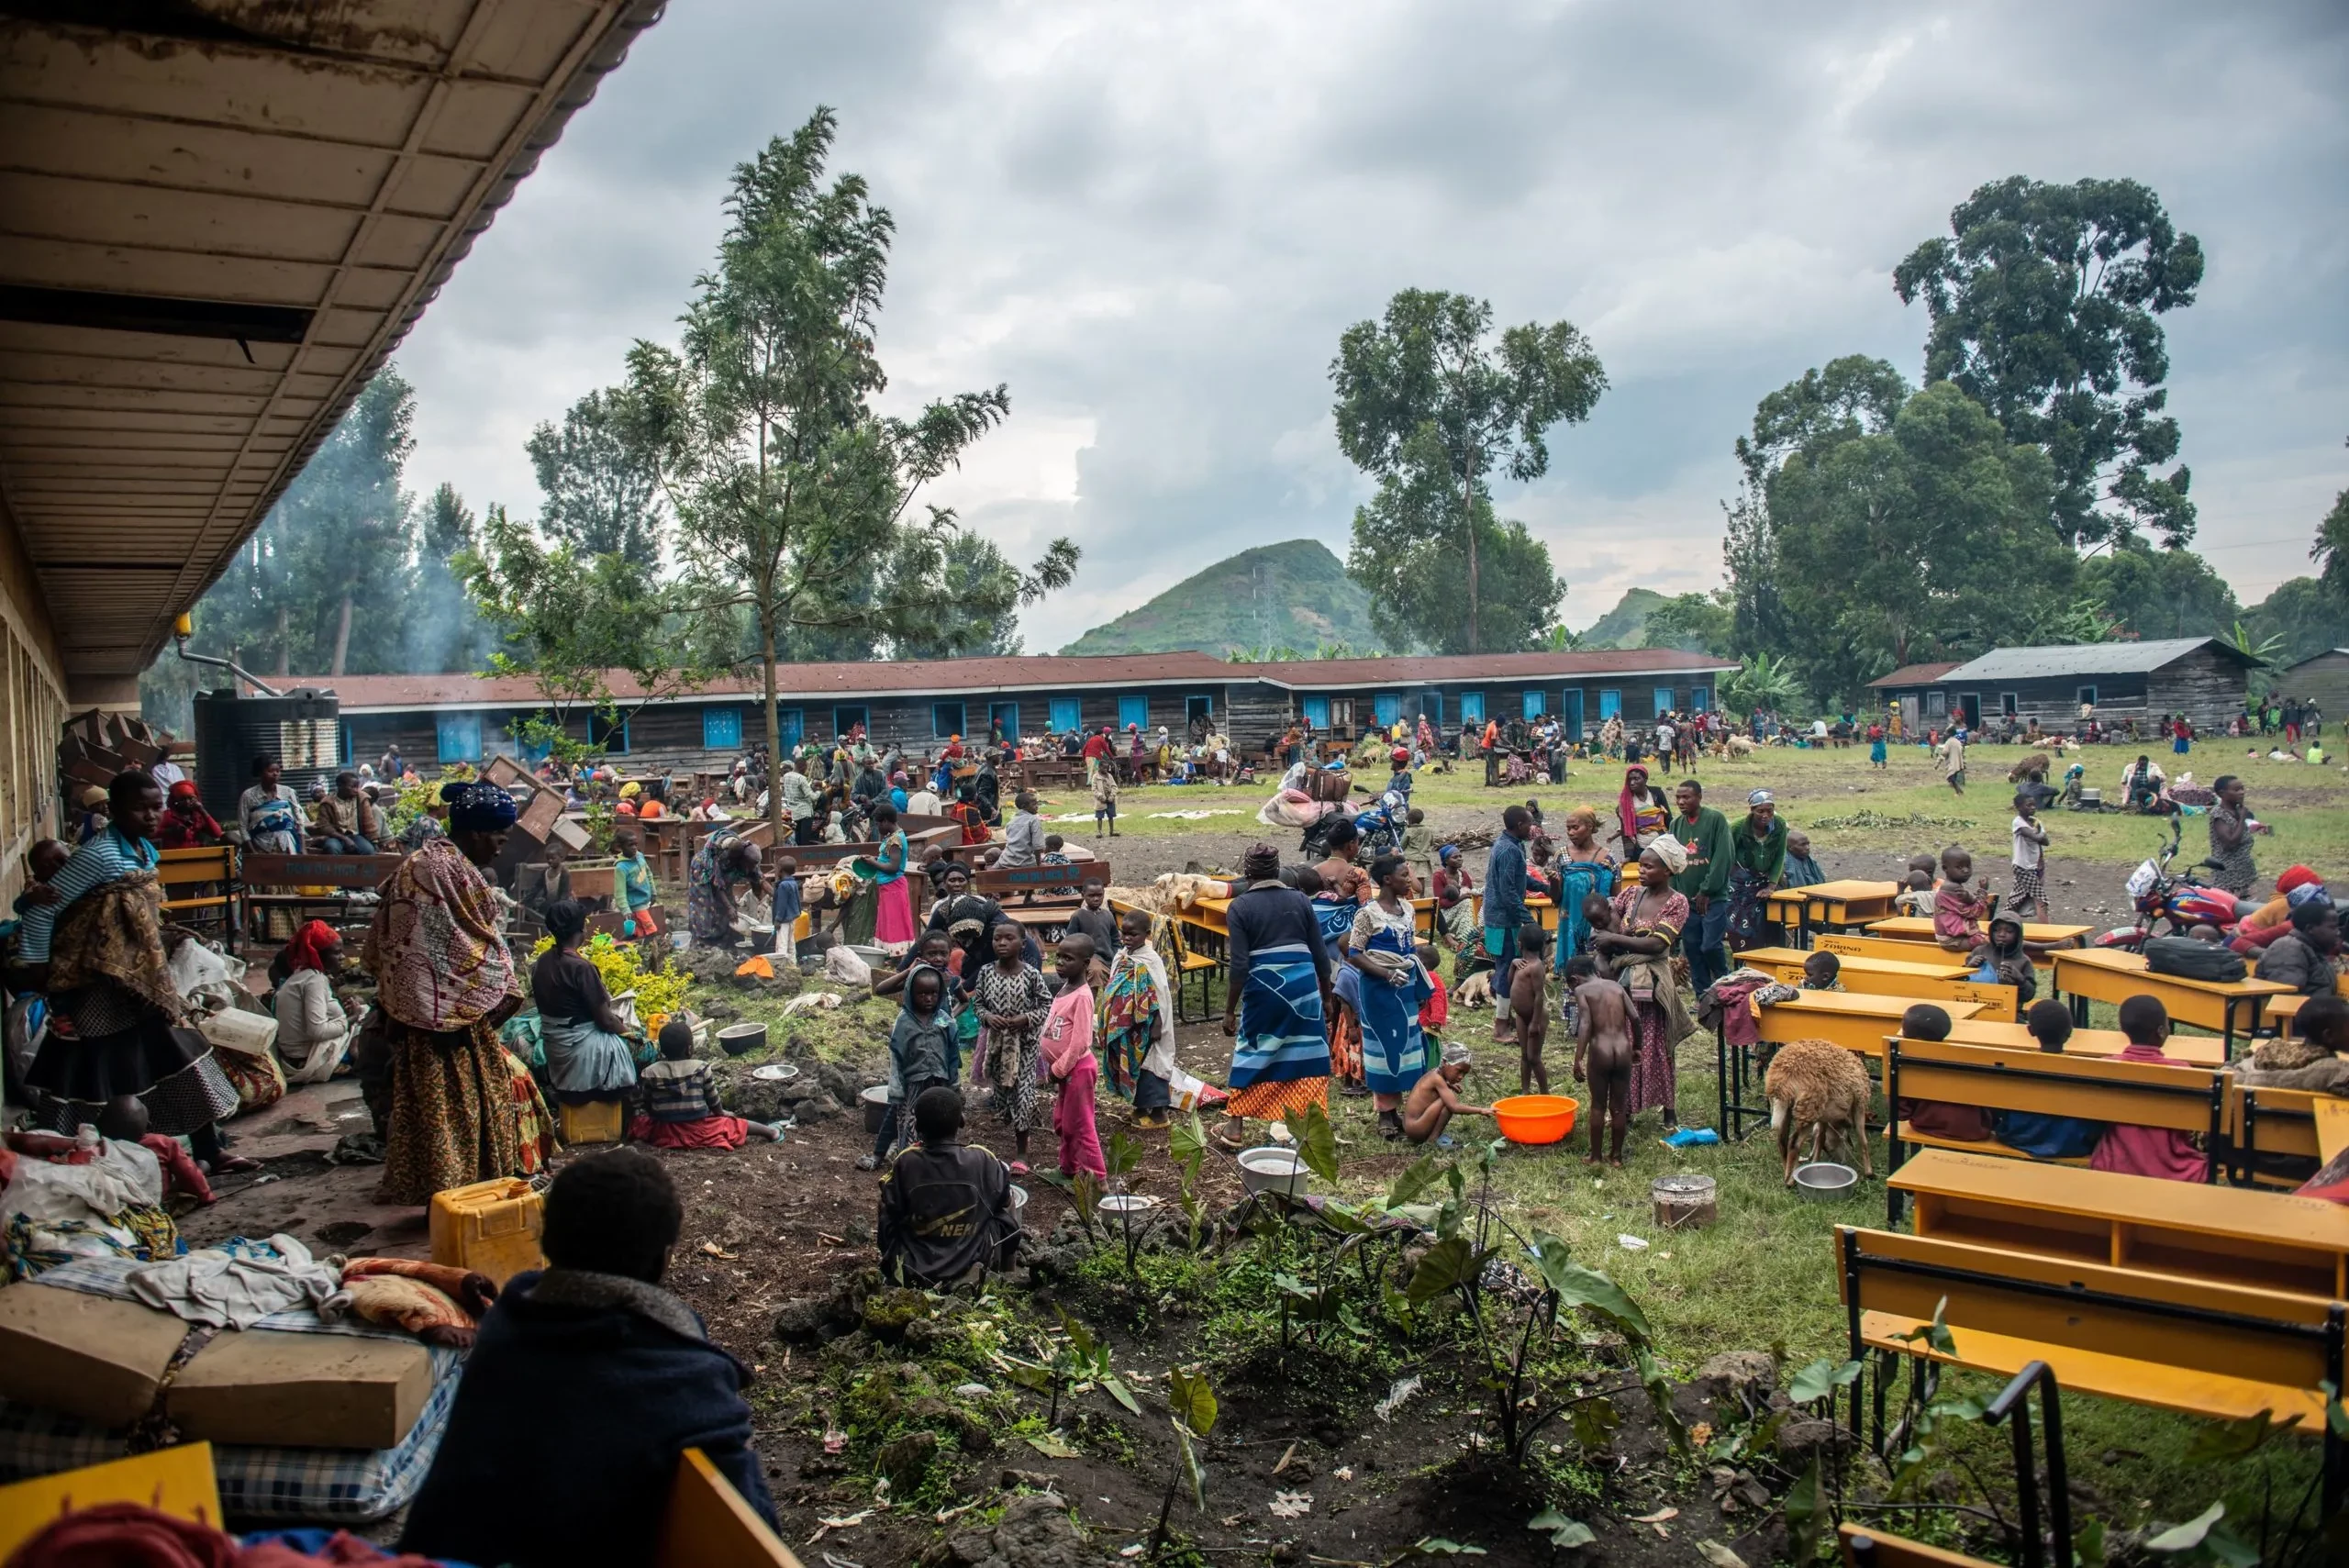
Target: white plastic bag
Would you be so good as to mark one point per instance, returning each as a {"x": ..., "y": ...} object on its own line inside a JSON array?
[{"x": 842, "y": 965}]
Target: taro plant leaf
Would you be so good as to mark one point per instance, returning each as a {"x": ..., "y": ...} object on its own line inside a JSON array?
[
  {"x": 1080, "y": 1338},
  {"x": 1087, "y": 1193},
  {"x": 1186, "y": 1143},
  {"x": 1120, "y": 1155},
  {"x": 2090, "y": 1544},
  {"x": 1819, "y": 1379},
  {"x": 2336, "y": 1412},
  {"x": 1422, "y": 1175},
  {"x": 1562, "y": 1530},
  {"x": 1659, "y": 1389},
  {"x": 1052, "y": 1447},
  {"x": 1120, "y": 1392},
  {"x": 1804, "y": 1514},
  {"x": 1190, "y": 1398},
  {"x": 1343, "y": 1219},
  {"x": 1935, "y": 1334},
  {"x": 1594, "y": 1421},
  {"x": 1719, "y": 1556},
  {"x": 1028, "y": 1375},
  {"x": 1437, "y": 1546},
  {"x": 2206, "y": 1536},
  {"x": 1317, "y": 1140},
  {"x": 2222, "y": 1440},
  {"x": 2187, "y": 1536},
  {"x": 1195, "y": 1470},
  {"x": 1579, "y": 1286},
  {"x": 1449, "y": 1264}
]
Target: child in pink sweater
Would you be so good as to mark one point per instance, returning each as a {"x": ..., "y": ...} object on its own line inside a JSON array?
[
  {"x": 2159, "y": 1151},
  {"x": 1067, "y": 1048}
]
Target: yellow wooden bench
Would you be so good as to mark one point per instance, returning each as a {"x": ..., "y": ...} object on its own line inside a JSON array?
[
  {"x": 709, "y": 1526},
  {"x": 2272, "y": 1241},
  {"x": 175, "y": 1481},
  {"x": 1866, "y": 1547},
  {"x": 2270, "y": 1121},
  {"x": 2225, "y": 1007},
  {"x": 1855, "y": 1020},
  {"x": 2039, "y": 933},
  {"x": 213, "y": 866},
  {"x": 2142, "y": 1094},
  {"x": 1930, "y": 981},
  {"x": 1186, "y": 964}
]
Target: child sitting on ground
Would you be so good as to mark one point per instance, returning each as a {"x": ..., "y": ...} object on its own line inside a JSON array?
[
  {"x": 1527, "y": 989},
  {"x": 1603, "y": 1051},
  {"x": 1959, "y": 909},
  {"x": 1433, "y": 1101},
  {"x": 677, "y": 1104},
  {"x": 2048, "y": 1137},
  {"x": 1067, "y": 1049}
]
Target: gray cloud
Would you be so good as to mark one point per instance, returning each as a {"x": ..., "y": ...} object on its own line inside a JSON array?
[{"x": 1153, "y": 223}]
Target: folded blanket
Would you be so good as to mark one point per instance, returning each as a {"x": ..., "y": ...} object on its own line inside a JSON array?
[
  {"x": 438, "y": 1304},
  {"x": 237, "y": 1284}
]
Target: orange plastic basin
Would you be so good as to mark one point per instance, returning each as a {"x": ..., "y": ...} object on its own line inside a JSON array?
[{"x": 1534, "y": 1118}]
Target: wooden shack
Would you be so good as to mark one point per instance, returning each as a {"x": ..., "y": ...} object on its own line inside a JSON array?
[{"x": 2205, "y": 678}]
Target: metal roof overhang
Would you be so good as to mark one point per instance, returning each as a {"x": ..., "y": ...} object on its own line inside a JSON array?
[{"x": 217, "y": 217}]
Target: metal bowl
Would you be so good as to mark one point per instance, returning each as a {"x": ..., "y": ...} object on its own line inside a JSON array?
[
  {"x": 1127, "y": 1203},
  {"x": 1269, "y": 1170},
  {"x": 740, "y": 1039},
  {"x": 875, "y": 1098},
  {"x": 1826, "y": 1181}
]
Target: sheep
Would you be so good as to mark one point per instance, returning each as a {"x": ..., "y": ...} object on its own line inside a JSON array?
[
  {"x": 1476, "y": 991},
  {"x": 2034, "y": 766},
  {"x": 1822, "y": 1089},
  {"x": 1740, "y": 746}
]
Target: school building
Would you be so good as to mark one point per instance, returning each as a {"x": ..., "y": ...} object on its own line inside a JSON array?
[
  {"x": 2206, "y": 678},
  {"x": 919, "y": 705}
]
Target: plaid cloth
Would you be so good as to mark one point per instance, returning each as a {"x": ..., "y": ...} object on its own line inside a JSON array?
[
  {"x": 2029, "y": 890},
  {"x": 327, "y": 1485}
]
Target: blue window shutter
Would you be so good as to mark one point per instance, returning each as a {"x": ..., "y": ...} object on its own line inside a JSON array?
[
  {"x": 1066, "y": 715},
  {"x": 721, "y": 728},
  {"x": 1610, "y": 705},
  {"x": 1133, "y": 711},
  {"x": 459, "y": 735},
  {"x": 1317, "y": 712},
  {"x": 1388, "y": 706},
  {"x": 790, "y": 727},
  {"x": 1472, "y": 708},
  {"x": 1533, "y": 705},
  {"x": 1570, "y": 712}
]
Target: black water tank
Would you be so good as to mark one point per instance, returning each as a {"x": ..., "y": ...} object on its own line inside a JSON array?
[{"x": 303, "y": 731}]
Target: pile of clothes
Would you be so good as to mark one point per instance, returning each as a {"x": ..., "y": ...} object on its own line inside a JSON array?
[{"x": 91, "y": 1197}]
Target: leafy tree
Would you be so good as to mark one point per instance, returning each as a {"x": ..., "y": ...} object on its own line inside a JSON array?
[
  {"x": 2044, "y": 302},
  {"x": 1761, "y": 680},
  {"x": 1407, "y": 552},
  {"x": 444, "y": 631},
  {"x": 2159, "y": 593},
  {"x": 1694, "y": 623},
  {"x": 603, "y": 496},
  {"x": 2330, "y": 552},
  {"x": 1433, "y": 409},
  {"x": 791, "y": 494},
  {"x": 570, "y": 619},
  {"x": 1898, "y": 539},
  {"x": 974, "y": 577},
  {"x": 2306, "y": 616}
]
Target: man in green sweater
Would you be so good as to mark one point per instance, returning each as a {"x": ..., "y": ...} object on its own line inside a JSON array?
[{"x": 1705, "y": 834}]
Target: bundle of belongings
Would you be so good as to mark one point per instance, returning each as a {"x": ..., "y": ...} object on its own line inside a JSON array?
[
  {"x": 323, "y": 1385},
  {"x": 90, "y": 1196}
]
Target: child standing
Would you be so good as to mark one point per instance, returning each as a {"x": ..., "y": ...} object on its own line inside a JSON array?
[
  {"x": 1436, "y": 1011},
  {"x": 1138, "y": 1022},
  {"x": 1958, "y": 910},
  {"x": 1419, "y": 847},
  {"x": 1528, "y": 984},
  {"x": 789, "y": 902},
  {"x": 1875, "y": 749},
  {"x": 921, "y": 1056},
  {"x": 1012, "y": 1002},
  {"x": 1068, "y": 1056},
  {"x": 2029, "y": 894},
  {"x": 1602, "y": 1052}
]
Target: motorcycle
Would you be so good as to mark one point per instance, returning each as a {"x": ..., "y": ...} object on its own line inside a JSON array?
[
  {"x": 1381, "y": 826},
  {"x": 2178, "y": 896}
]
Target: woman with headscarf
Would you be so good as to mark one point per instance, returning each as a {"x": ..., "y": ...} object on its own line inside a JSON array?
[
  {"x": 1757, "y": 858},
  {"x": 1584, "y": 866},
  {"x": 589, "y": 1055},
  {"x": 1271, "y": 1009},
  {"x": 185, "y": 824},
  {"x": 724, "y": 866},
  {"x": 1641, "y": 812},
  {"x": 94, "y": 944},
  {"x": 969, "y": 816},
  {"x": 1649, "y": 917},
  {"x": 444, "y": 983},
  {"x": 314, "y": 1030}
]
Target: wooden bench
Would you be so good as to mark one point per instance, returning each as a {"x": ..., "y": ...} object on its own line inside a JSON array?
[
  {"x": 2141, "y": 1094},
  {"x": 2272, "y": 1241},
  {"x": 1062, "y": 884},
  {"x": 2221, "y": 1351},
  {"x": 1867, "y": 1547},
  {"x": 1926, "y": 982},
  {"x": 179, "y": 1481},
  {"x": 2270, "y": 1121},
  {"x": 288, "y": 875},
  {"x": 2111, "y": 975},
  {"x": 213, "y": 866},
  {"x": 709, "y": 1526},
  {"x": 1828, "y": 905},
  {"x": 2039, "y": 933},
  {"x": 2192, "y": 1050}
]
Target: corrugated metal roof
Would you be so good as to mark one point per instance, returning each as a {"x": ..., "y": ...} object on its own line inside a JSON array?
[
  {"x": 221, "y": 215},
  {"x": 1915, "y": 674},
  {"x": 2086, "y": 659},
  {"x": 951, "y": 677}
]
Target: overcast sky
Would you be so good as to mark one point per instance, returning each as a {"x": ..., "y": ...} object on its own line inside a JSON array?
[{"x": 1153, "y": 223}]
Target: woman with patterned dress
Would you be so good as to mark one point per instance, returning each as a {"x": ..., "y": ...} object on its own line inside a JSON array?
[
  {"x": 1138, "y": 1022},
  {"x": 1012, "y": 1002},
  {"x": 93, "y": 939},
  {"x": 2232, "y": 827},
  {"x": 1649, "y": 916},
  {"x": 1272, "y": 1010},
  {"x": 725, "y": 863},
  {"x": 1382, "y": 948},
  {"x": 457, "y": 1113}
]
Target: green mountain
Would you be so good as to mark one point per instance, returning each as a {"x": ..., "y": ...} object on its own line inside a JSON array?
[
  {"x": 1293, "y": 596},
  {"x": 1625, "y": 626}
]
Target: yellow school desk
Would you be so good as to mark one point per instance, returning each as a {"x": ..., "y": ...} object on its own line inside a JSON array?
[
  {"x": 2194, "y": 1049},
  {"x": 1919, "y": 929},
  {"x": 1925, "y": 982},
  {"x": 2113, "y": 975},
  {"x": 1856, "y": 1021},
  {"x": 2273, "y": 1241},
  {"x": 1833, "y": 906}
]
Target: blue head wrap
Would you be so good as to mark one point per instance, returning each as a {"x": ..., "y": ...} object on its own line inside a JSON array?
[{"x": 476, "y": 806}]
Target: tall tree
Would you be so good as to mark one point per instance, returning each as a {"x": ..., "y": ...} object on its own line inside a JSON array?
[
  {"x": 603, "y": 492},
  {"x": 2160, "y": 593},
  {"x": 1408, "y": 552},
  {"x": 2043, "y": 302},
  {"x": 444, "y": 630},
  {"x": 1430, "y": 406},
  {"x": 974, "y": 573},
  {"x": 2305, "y": 615},
  {"x": 1917, "y": 536},
  {"x": 2330, "y": 552},
  {"x": 1693, "y": 623},
  {"x": 788, "y": 489}
]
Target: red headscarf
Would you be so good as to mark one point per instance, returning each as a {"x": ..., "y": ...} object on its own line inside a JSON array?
[
  {"x": 309, "y": 947},
  {"x": 2295, "y": 877},
  {"x": 184, "y": 828}
]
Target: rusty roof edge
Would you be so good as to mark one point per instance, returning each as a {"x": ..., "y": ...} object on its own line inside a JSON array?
[{"x": 632, "y": 20}]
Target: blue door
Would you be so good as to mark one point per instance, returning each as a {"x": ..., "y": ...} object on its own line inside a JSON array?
[
  {"x": 1534, "y": 706},
  {"x": 1431, "y": 707},
  {"x": 460, "y": 737},
  {"x": 1610, "y": 705},
  {"x": 1472, "y": 708},
  {"x": 721, "y": 728},
  {"x": 1699, "y": 698},
  {"x": 790, "y": 727},
  {"x": 1317, "y": 712},
  {"x": 1570, "y": 712},
  {"x": 1066, "y": 715},
  {"x": 1388, "y": 706},
  {"x": 1662, "y": 701},
  {"x": 1134, "y": 712},
  {"x": 1006, "y": 714}
]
